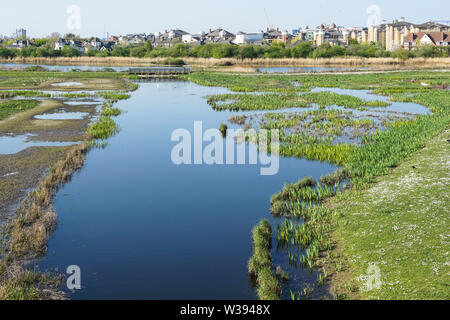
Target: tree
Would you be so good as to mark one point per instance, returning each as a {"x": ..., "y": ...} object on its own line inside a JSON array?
[
  {"x": 220, "y": 51},
  {"x": 40, "y": 42},
  {"x": 7, "y": 53},
  {"x": 138, "y": 52},
  {"x": 120, "y": 52},
  {"x": 247, "y": 52},
  {"x": 352, "y": 41},
  {"x": 148, "y": 46},
  {"x": 70, "y": 52},
  {"x": 302, "y": 50},
  {"x": 401, "y": 54},
  {"x": 277, "y": 50},
  {"x": 328, "y": 51}
]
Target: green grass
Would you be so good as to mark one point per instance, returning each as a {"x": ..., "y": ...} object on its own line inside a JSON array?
[
  {"x": 260, "y": 265},
  {"x": 401, "y": 224},
  {"x": 10, "y": 107},
  {"x": 288, "y": 99},
  {"x": 103, "y": 128},
  {"x": 23, "y": 93},
  {"x": 25, "y": 285}
]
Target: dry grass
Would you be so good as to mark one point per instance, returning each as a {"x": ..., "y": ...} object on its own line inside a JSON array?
[
  {"x": 27, "y": 235},
  {"x": 210, "y": 62},
  {"x": 17, "y": 283},
  {"x": 35, "y": 218}
]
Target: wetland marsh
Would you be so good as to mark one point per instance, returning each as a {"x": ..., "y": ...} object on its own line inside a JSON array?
[{"x": 141, "y": 227}]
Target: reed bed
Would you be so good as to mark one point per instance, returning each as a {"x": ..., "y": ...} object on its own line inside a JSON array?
[
  {"x": 34, "y": 218},
  {"x": 211, "y": 62}
]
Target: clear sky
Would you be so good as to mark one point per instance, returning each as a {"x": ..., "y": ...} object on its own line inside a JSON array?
[{"x": 97, "y": 17}]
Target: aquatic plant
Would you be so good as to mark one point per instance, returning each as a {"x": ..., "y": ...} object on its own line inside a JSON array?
[
  {"x": 336, "y": 177},
  {"x": 223, "y": 130},
  {"x": 260, "y": 265},
  {"x": 103, "y": 128},
  {"x": 10, "y": 107}
]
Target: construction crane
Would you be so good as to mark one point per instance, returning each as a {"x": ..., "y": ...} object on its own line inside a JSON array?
[{"x": 268, "y": 19}]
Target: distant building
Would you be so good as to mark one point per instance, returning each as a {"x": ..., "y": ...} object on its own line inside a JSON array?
[
  {"x": 392, "y": 35},
  {"x": 272, "y": 35},
  {"x": 21, "y": 34},
  {"x": 218, "y": 36},
  {"x": 19, "y": 44},
  {"x": 249, "y": 38},
  {"x": 436, "y": 39},
  {"x": 192, "y": 38},
  {"x": 75, "y": 44},
  {"x": 169, "y": 38}
]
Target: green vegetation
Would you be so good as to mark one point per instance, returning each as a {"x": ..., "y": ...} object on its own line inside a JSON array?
[
  {"x": 273, "y": 101},
  {"x": 103, "y": 128},
  {"x": 10, "y": 107},
  {"x": 260, "y": 265},
  {"x": 23, "y": 284},
  {"x": 340, "y": 225},
  {"x": 40, "y": 79},
  {"x": 274, "y": 50},
  {"x": 400, "y": 225},
  {"x": 23, "y": 93},
  {"x": 25, "y": 236},
  {"x": 172, "y": 62}
]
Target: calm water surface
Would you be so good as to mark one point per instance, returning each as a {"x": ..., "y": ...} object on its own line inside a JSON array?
[{"x": 141, "y": 227}]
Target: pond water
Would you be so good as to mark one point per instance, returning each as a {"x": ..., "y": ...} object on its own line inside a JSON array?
[
  {"x": 62, "y": 116},
  {"x": 15, "y": 144},
  {"x": 66, "y": 84},
  {"x": 141, "y": 227}
]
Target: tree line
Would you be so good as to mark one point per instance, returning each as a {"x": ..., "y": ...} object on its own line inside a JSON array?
[{"x": 275, "y": 50}]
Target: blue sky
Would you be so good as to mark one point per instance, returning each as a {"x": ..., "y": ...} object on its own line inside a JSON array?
[{"x": 42, "y": 17}]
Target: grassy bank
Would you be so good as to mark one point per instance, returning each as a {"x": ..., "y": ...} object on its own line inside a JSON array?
[
  {"x": 332, "y": 233},
  {"x": 44, "y": 80},
  {"x": 400, "y": 226},
  {"x": 25, "y": 236}
]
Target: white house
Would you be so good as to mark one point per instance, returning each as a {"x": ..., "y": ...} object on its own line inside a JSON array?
[
  {"x": 192, "y": 38},
  {"x": 250, "y": 38}
]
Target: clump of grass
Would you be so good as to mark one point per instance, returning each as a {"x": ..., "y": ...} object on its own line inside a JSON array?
[
  {"x": 114, "y": 96},
  {"x": 269, "y": 287},
  {"x": 17, "y": 283},
  {"x": 223, "y": 129},
  {"x": 103, "y": 128},
  {"x": 172, "y": 62},
  {"x": 22, "y": 93},
  {"x": 289, "y": 188},
  {"x": 336, "y": 177},
  {"x": 11, "y": 107},
  {"x": 239, "y": 120},
  {"x": 260, "y": 265},
  {"x": 35, "y": 69}
]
